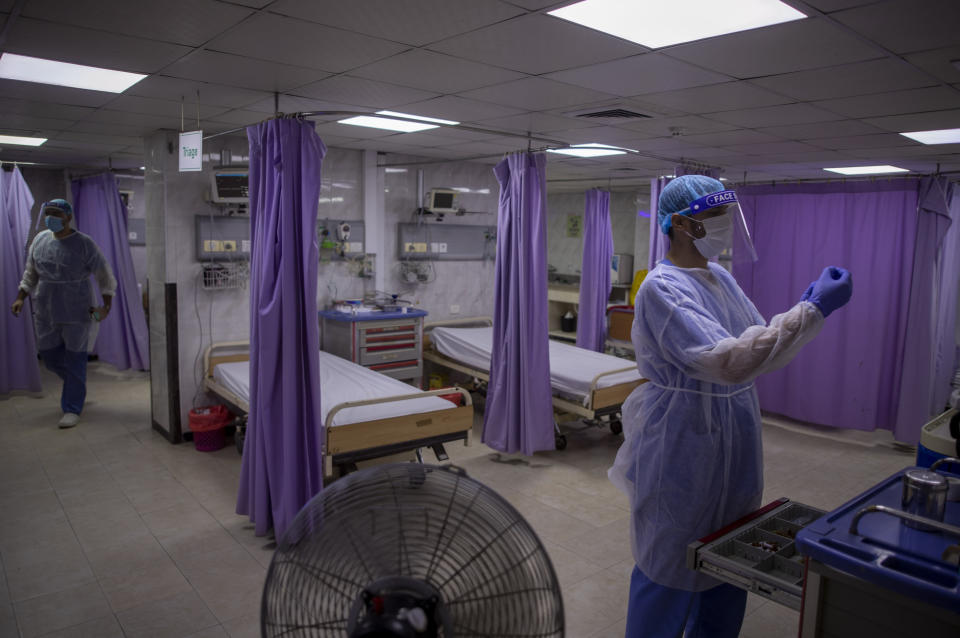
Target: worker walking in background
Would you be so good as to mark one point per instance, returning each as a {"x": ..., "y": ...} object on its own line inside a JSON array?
[
  {"x": 692, "y": 459},
  {"x": 59, "y": 265}
]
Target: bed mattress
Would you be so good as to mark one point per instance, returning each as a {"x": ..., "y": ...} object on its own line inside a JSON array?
[
  {"x": 572, "y": 369},
  {"x": 342, "y": 381}
]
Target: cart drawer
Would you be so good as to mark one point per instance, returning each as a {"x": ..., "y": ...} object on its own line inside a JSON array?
[
  {"x": 399, "y": 369},
  {"x": 758, "y": 553},
  {"x": 389, "y": 353},
  {"x": 386, "y": 334}
]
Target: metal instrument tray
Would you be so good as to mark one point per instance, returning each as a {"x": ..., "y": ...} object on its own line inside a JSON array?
[{"x": 758, "y": 553}]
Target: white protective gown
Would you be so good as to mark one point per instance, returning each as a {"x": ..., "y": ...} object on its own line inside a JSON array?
[
  {"x": 59, "y": 271},
  {"x": 692, "y": 460}
]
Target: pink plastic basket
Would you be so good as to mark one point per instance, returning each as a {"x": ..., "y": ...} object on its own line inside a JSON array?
[{"x": 207, "y": 426}]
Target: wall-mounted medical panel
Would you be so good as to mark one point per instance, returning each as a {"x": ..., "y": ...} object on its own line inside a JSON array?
[
  {"x": 452, "y": 242},
  {"x": 340, "y": 238},
  {"x": 137, "y": 231},
  {"x": 222, "y": 237}
]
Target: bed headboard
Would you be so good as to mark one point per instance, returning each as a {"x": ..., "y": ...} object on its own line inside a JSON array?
[
  {"x": 225, "y": 352},
  {"x": 462, "y": 322}
]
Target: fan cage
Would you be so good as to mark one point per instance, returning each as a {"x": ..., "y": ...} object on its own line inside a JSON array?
[{"x": 429, "y": 523}]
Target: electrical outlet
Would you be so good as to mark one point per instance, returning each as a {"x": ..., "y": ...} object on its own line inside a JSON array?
[
  {"x": 455, "y": 309},
  {"x": 442, "y": 247},
  {"x": 212, "y": 246},
  {"x": 229, "y": 246}
]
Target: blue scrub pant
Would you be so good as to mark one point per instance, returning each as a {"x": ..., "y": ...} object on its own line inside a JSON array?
[
  {"x": 72, "y": 368},
  {"x": 656, "y": 611}
]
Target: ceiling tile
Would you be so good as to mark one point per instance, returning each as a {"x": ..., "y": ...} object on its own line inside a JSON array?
[
  {"x": 772, "y": 148},
  {"x": 43, "y": 109},
  {"x": 601, "y": 134},
  {"x": 536, "y": 122},
  {"x": 144, "y": 121},
  {"x": 451, "y": 107},
  {"x": 289, "y": 41},
  {"x": 781, "y": 48},
  {"x": 537, "y": 44},
  {"x": 936, "y": 98},
  {"x": 431, "y": 71},
  {"x": 942, "y": 63},
  {"x": 904, "y": 26},
  {"x": 85, "y": 146},
  {"x": 638, "y": 75},
  {"x": 239, "y": 117},
  {"x": 108, "y": 128},
  {"x": 717, "y": 97},
  {"x": 829, "y": 6},
  {"x": 298, "y": 104},
  {"x": 234, "y": 70},
  {"x": 188, "y": 22},
  {"x": 255, "y": 4},
  {"x": 775, "y": 116},
  {"x": 413, "y": 22},
  {"x": 917, "y": 121},
  {"x": 727, "y": 138},
  {"x": 838, "y": 128},
  {"x": 54, "y": 94},
  {"x": 169, "y": 108},
  {"x": 535, "y": 94},
  {"x": 120, "y": 140},
  {"x": 170, "y": 88},
  {"x": 677, "y": 126},
  {"x": 350, "y": 90},
  {"x": 91, "y": 47},
  {"x": 22, "y": 122},
  {"x": 895, "y": 153},
  {"x": 348, "y": 130},
  {"x": 875, "y": 76},
  {"x": 863, "y": 141}
]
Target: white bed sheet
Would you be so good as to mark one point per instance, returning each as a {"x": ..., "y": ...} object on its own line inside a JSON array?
[
  {"x": 572, "y": 369},
  {"x": 342, "y": 381}
]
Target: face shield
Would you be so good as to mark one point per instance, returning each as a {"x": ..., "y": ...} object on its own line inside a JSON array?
[{"x": 726, "y": 202}]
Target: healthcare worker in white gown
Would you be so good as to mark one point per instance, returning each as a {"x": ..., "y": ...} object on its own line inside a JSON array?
[
  {"x": 59, "y": 265},
  {"x": 691, "y": 461}
]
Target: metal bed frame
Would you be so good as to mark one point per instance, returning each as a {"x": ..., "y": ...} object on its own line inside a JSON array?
[
  {"x": 345, "y": 445},
  {"x": 602, "y": 403}
]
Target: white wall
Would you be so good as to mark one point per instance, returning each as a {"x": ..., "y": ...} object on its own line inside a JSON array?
[{"x": 137, "y": 210}]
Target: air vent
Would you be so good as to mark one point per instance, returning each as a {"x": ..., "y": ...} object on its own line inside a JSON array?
[{"x": 613, "y": 114}]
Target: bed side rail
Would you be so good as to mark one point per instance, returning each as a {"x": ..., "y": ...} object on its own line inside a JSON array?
[{"x": 210, "y": 360}]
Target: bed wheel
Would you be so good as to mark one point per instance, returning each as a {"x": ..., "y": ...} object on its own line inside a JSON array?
[
  {"x": 238, "y": 438},
  {"x": 616, "y": 427},
  {"x": 561, "y": 441}
]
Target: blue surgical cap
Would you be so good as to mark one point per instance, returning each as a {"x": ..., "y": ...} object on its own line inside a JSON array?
[
  {"x": 61, "y": 205},
  {"x": 677, "y": 195}
]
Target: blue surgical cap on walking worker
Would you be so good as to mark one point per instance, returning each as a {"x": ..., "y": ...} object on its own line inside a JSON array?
[{"x": 692, "y": 459}]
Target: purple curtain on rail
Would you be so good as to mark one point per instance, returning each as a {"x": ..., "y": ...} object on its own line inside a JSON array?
[
  {"x": 99, "y": 212},
  {"x": 18, "y": 363},
  {"x": 595, "y": 285},
  {"x": 936, "y": 196},
  {"x": 869, "y": 366},
  {"x": 282, "y": 459},
  {"x": 659, "y": 243},
  {"x": 519, "y": 411}
]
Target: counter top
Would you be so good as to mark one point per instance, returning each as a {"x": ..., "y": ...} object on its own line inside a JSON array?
[{"x": 336, "y": 315}]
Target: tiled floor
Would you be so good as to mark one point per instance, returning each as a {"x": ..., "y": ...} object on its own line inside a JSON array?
[{"x": 107, "y": 530}]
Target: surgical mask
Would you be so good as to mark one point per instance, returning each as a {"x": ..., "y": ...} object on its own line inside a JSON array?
[
  {"x": 54, "y": 223},
  {"x": 719, "y": 236}
]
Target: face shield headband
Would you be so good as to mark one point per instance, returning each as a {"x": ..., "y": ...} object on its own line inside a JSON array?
[{"x": 727, "y": 200}]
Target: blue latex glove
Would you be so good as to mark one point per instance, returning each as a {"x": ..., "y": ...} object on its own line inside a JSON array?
[
  {"x": 831, "y": 291},
  {"x": 809, "y": 291}
]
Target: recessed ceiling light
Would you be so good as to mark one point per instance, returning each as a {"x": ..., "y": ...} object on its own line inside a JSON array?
[
  {"x": 943, "y": 136},
  {"x": 866, "y": 170},
  {"x": 433, "y": 120},
  {"x": 388, "y": 124},
  {"x": 27, "y": 69},
  {"x": 22, "y": 141},
  {"x": 660, "y": 24},
  {"x": 590, "y": 150},
  {"x": 391, "y": 169},
  {"x": 143, "y": 168}
]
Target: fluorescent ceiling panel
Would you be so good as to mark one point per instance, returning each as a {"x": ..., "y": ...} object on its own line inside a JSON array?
[
  {"x": 866, "y": 170},
  {"x": 418, "y": 117},
  {"x": 590, "y": 150},
  {"x": 943, "y": 136},
  {"x": 386, "y": 123},
  {"x": 22, "y": 141},
  {"x": 660, "y": 24},
  {"x": 27, "y": 69}
]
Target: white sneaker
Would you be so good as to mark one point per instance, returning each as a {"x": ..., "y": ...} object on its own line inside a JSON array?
[{"x": 68, "y": 420}]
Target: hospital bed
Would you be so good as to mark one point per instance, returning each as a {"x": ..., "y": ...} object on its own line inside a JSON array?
[
  {"x": 366, "y": 414},
  {"x": 590, "y": 385}
]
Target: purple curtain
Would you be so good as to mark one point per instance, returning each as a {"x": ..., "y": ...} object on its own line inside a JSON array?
[
  {"x": 99, "y": 212},
  {"x": 939, "y": 196},
  {"x": 595, "y": 285},
  {"x": 519, "y": 412},
  {"x": 18, "y": 363},
  {"x": 869, "y": 366},
  {"x": 659, "y": 243},
  {"x": 282, "y": 465}
]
